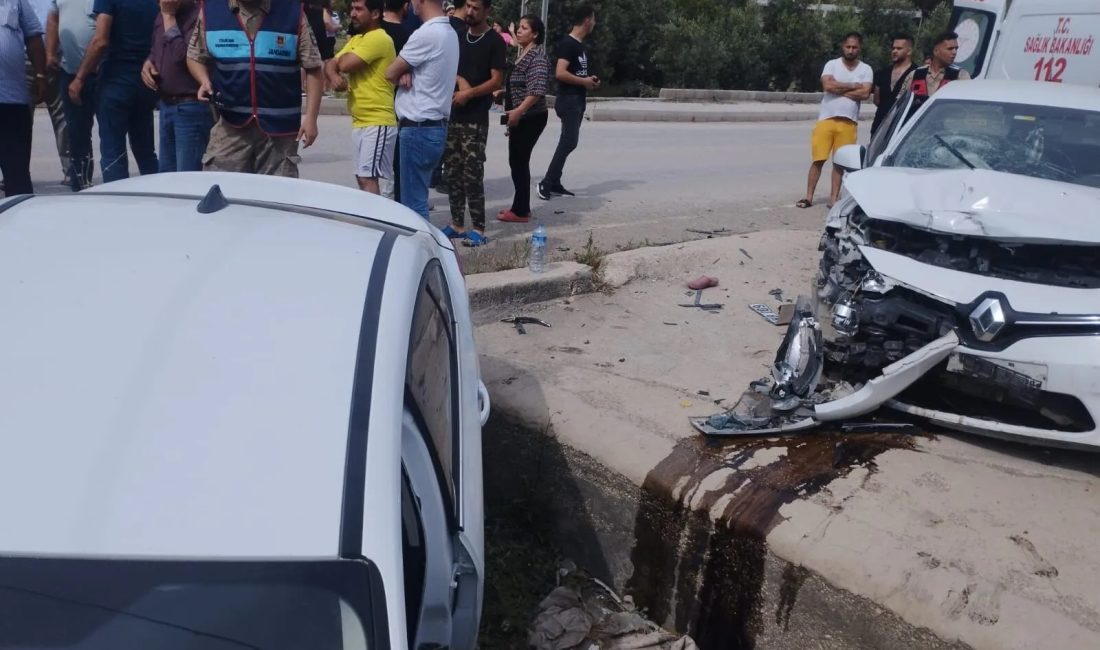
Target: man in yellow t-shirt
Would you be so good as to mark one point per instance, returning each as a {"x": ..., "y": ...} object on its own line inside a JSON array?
[{"x": 370, "y": 97}]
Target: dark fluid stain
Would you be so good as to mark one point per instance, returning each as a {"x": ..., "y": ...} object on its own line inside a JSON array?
[
  {"x": 793, "y": 577},
  {"x": 706, "y": 577}
]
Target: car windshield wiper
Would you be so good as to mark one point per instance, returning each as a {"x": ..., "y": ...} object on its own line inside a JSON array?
[
  {"x": 955, "y": 152},
  {"x": 122, "y": 612}
]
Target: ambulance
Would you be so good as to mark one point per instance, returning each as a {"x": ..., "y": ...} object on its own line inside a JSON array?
[{"x": 1029, "y": 40}]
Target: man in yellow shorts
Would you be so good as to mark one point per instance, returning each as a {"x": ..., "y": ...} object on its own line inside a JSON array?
[{"x": 847, "y": 82}]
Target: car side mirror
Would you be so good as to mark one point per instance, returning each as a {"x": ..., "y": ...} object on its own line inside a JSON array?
[{"x": 850, "y": 157}]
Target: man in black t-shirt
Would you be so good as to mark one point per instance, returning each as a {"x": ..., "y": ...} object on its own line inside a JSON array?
[
  {"x": 458, "y": 18},
  {"x": 481, "y": 63},
  {"x": 574, "y": 81},
  {"x": 889, "y": 80},
  {"x": 393, "y": 23}
]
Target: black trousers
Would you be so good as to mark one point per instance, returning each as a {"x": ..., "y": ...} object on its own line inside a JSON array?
[
  {"x": 521, "y": 142},
  {"x": 570, "y": 108},
  {"x": 15, "y": 149}
]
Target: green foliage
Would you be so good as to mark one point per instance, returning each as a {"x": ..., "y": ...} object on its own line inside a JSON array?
[
  {"x": 716, "y": 46},
  {"x": 933, "y": 24},
  {"x": 732, "y": 43},
  {"x": 620, "y": 49}
]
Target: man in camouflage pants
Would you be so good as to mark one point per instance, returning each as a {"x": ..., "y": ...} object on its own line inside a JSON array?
[{"x": 480, "y": 72}]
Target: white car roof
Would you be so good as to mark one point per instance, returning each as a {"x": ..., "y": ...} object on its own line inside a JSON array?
[
  {"x": 175, "y": 383},
  {"x": 1023, "y": 92}
]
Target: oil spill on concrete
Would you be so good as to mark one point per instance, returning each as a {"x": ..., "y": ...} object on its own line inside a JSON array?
[{"x": 705, "y": 512}]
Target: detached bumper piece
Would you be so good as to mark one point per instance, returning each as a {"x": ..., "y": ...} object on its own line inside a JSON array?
[{"x": 795, "y": 399}]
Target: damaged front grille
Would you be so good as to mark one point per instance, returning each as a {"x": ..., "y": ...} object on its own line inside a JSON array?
[
  {"x": 982, "y": 390},
  {"x": 1073, "y": 266}
]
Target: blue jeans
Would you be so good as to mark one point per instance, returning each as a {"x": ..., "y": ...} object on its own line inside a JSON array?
[
  {"x": 125, "y": 108},
  {"x": 80, "y": 120},
  {"x": 421, "y": 148},
  {"x": 184, "y": 132}
]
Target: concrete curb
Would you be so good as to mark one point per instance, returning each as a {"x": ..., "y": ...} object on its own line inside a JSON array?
[
  {"x": 673, "y": 114},
  {"x": 727, "y": 96},
  {"x": 521, "y": 287}
]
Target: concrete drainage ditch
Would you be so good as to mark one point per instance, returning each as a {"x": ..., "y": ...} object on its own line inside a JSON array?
[{"x": 688, "y": 546}]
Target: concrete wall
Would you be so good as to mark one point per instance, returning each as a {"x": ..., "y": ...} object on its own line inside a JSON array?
[{"x": 714, "y": 580}]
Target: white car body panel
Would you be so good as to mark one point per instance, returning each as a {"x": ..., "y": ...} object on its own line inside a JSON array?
[
  {"x": 273, "y": 189},
  {"x": 130, "y": 412},
  {"x": 959, "y": 288},
  {"x": 979, "y": 202},
  {"x": 142, "y": 456}
]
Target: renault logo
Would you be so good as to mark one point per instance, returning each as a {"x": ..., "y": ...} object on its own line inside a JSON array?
[{"x": 987, "y": 319}]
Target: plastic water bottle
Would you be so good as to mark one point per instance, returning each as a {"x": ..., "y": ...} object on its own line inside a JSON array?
[{"x": 537, "y": 260}]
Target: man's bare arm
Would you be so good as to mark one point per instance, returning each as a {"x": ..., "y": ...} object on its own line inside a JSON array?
[
  {"x": 859, "y": 94},
  {"x": 562, "y": 73},
  {"x": 463, "y": 95},
  {"x": 397, "y": 69},
  {"x": 53, "y": 42},
  {"x": 831, "y": 85},
  {"x": 97, "y": 47},
  {"x": 350, "y": 62}
]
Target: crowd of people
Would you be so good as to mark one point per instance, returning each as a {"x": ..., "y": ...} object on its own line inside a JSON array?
[
  {"x": 228, "y": 78},
  {"x": 847, "y": 81}
]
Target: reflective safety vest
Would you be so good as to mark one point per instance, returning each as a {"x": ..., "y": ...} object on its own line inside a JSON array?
[
  {"x": 919, "y": 85},
  {"x": 256, "y": 78}
]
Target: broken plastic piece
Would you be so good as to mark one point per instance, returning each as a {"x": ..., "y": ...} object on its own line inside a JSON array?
[
  {"x": 766, "y": 312},
  {"x": 709, "y": 306}
]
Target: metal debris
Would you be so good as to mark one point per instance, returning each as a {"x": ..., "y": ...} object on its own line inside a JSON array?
[{"x": 520, "y": 321}]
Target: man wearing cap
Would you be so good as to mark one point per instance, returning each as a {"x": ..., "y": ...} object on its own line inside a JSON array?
[{"x": 247, "y": 56}]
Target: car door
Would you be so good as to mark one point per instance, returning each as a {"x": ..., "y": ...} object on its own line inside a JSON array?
[{"x": 432, "y": 458}]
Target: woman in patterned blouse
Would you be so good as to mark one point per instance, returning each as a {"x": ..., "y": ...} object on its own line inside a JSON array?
[{"x": 525, "y": 104}]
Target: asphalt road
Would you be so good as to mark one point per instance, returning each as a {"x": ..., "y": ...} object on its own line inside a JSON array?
[{"x": 636, "y": 183}]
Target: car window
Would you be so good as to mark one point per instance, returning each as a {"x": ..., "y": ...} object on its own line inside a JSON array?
[
  {"x": 975, "y": 29},
  {"x": 1048, "y": 142},
  {"x": 888, "y": 128},
  {"x": 431, "y": 378},
  {"x": 105, "y": 604}
]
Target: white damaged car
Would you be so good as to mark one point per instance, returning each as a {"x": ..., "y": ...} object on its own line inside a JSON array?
[{"x": 960, "y": 275}]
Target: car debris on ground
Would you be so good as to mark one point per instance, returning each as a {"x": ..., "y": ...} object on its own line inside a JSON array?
[
  {"x": 520, "y": 321},
  {"x": 699, "y": 304},
  {"x": 583, "y": 613}
]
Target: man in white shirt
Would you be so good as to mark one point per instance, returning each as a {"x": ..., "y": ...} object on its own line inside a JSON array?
[
  {"x": 846, "y": 81},
  {"x": 424, "y": 74}
]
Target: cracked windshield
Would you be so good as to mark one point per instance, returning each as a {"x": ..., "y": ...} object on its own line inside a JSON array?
[{"x": 1052, "y": 143}]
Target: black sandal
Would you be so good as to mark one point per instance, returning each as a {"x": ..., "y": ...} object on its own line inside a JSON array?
[{"x": 803, "y": 203}]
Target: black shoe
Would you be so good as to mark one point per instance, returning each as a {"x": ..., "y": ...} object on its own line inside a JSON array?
[
  {"x": 558, "y": 189},
  {"x": 544, "y": 194}
]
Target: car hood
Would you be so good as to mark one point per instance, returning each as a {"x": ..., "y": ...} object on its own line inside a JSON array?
[{"x": 980, "y": 203}]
